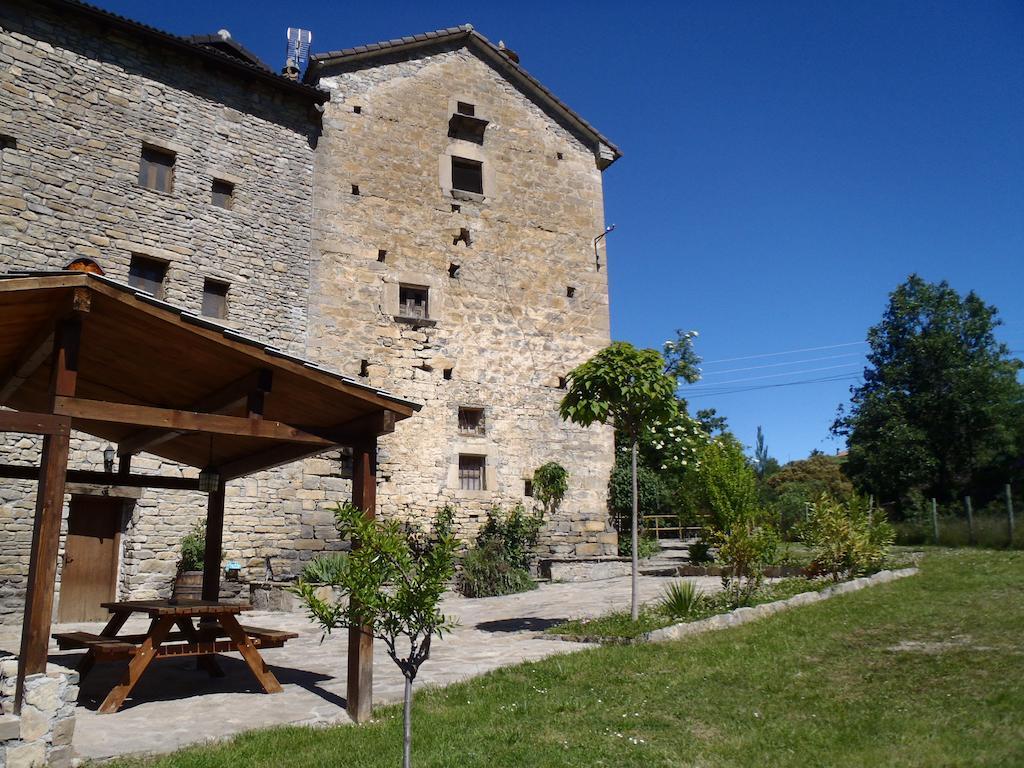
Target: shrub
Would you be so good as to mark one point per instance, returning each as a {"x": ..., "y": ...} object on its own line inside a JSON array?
[
  {"x": 649, "y": 546},
  {"x": 846, "y": 539},
  {"x": 325, "y": 569},
  {"x": 193, "y": 548},
  {"x": 700, "y": 552},
  {"x": 651, "y": 492},
  {"x": 680, "y": 599},
  {"x": 487, "y": 572},
  {"x": 745, "y": 549},
  {"x": 500, "y": 562},
  {"x": 517, "y": 531},
  {"x": 550, "y": 482}
]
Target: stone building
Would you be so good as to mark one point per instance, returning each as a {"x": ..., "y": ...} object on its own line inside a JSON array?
[{"x": 419, "y": 213}]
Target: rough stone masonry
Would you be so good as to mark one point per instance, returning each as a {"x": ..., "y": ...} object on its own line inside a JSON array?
[{"x": 344, "y": 219}]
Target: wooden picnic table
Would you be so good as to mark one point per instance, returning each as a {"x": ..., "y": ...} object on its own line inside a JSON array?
[{"x": 217, "y": 632}]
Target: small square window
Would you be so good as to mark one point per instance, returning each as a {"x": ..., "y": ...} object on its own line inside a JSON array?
[
  {"x": 563, "y": 382},
  {"x": 147, "y": 275},
  {"x": 156, "y": 169},
  {"x": 447, "y": 373},
  {"x": 215, "y": 299},
  {"x": 453, "y": 270},
  {"x": 381, "y": 255},
  {"x": 560, "y": 156},
  {"x": 355, "y": 189},
  {"x": 413, "y": 302},
  {"x": 222, "y": 194},
  {"x": 570, "y": 291},
  {"x": 8, "y": 142},
  {"x": 357, "y": 109},
  {"x": 456, "y": 208},
  {"x": 471, "y": 421},
  {"x": 364, "y": 368},
  {"x": 472, "y": 473},
  {"x": 464, "y": 108},
  {"x": 468, "y": 175},
  {"x": 528, "y": 488}
]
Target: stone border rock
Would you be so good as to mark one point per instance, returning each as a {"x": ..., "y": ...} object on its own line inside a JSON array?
[
  {"x": 743, "y": 615},
  {"x": 42, "y": 734}
]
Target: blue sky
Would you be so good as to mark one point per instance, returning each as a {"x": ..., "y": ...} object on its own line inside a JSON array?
[{"x": 786, "y": 165}]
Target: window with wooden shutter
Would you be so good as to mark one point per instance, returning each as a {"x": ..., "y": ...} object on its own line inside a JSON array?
[
  {"x": 156, "y": 169},
  {"x": 215, "y": 299},
  {"x": 147, "y": 275},
  {"x": 413, "y": 302},
  {"x": 472, "y": 473},
  {"x": 471, "y": 421}
]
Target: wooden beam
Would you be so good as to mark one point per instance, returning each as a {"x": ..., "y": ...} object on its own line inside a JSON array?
[
  {"x": 89, "y": 477},
  {"x": 277, "y": 456},
  {"x": 184, "y": 421},
  {"x": 234, "y": 395},
  {"x": 32, "y": 357},
  {"x": 360, "y": 641},
  {"x": 42, "y": 567},
  {"x": 34, "y": 423},
  {"x": 214, "y": 543}
]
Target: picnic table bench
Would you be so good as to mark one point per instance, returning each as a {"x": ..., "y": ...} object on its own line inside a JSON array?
[{"x": 218, "y": 632}]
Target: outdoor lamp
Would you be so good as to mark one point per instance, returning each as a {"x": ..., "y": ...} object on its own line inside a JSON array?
[
  {"x": 209, "y": 480},
  {"x": 108, "y": 458}
]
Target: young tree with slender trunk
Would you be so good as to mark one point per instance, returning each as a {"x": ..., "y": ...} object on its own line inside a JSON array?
[
  {"x": 630, "y": 389},
  {"x": 391, "y": 586}
]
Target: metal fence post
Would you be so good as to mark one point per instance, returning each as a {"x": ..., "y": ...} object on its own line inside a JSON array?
[{"x": 935, "y": 521}]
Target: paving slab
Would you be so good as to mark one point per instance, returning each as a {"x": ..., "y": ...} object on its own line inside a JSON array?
[{"x": 175, "y": 704}]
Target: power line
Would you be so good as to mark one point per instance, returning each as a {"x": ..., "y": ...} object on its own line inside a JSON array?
[
  {"x": 791, "y": 362},
  {"x": 787, "y": 352},
  {"x": 777, "y": 375},
  {"x": 738, "y": 390}
]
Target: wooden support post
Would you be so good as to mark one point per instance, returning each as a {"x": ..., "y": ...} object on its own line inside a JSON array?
[
  {"x": 42, "y": 568},
  {"x": 935, "y": 521},
  {"x": 360, "y": 642},
  {"x": 970, "y": 519},
  {"x": 214, "y": 543},
  {"x": 1009, "y": 513}
]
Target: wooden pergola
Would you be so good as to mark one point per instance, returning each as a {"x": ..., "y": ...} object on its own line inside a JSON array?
[{"x": 80, "y": 351}]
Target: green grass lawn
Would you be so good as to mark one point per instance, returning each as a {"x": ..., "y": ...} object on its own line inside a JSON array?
[{"x": 926, "y": 671}]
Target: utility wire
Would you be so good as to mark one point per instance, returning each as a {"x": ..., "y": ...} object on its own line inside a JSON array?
[
  {"x": 777, "y": 375},
  {"x": 787, "y": 352},
  {"x": 821, "y": 380},
  {"x": 780, "y": 365}
]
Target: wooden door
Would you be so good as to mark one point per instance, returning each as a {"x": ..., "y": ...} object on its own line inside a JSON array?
[{"x": 89, "y": 575}]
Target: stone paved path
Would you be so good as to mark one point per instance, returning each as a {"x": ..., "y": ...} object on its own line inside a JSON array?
[{"x": 176, "y": 705}]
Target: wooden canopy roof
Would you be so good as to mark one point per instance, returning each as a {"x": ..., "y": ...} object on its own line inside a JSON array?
[{"x": 154, "y": 378}]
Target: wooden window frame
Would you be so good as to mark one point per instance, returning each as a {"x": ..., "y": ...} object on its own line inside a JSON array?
[
  {"x": 138, "y": 278},
  {"x": 472, "y": 472},
  {"x": 155, "y": 175},
  {"x": 408, "y": 307},
  {"x": 472, "y": 421}
]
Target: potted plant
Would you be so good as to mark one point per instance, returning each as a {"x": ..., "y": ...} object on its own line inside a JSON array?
[{"x": 188, "y": 584}]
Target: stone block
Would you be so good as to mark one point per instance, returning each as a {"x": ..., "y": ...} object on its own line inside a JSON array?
[
  {"x": 26, "y": 756},
  {"x": 10, "y": 727},
  {"x": 63, "y": 731},
  {"x": 35, "y": 724},
  {"x": 43, "y": 693},
  {"x": 588, "y": 549}
]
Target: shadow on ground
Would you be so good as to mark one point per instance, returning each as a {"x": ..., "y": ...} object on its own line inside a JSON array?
[{"x": 524, "y": 624}]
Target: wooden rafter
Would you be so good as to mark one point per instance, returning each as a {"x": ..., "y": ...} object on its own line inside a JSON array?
[
  {"x": 182, "y": 421},
  {"x": 91, "y": 477},
  {"x": 244, "y": 391}
]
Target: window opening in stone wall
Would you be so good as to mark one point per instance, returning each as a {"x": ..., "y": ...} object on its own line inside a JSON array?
[
  {"x": 464, "y": 236},
  {"x": 156, "y": 169},
  {"x": 456, "y": 208},
  {"x": 215, "y": 299},
  {"x": 147, "y": 275},
  {"x": 559, "y": 156},
  {"x": 528, "y": 488},
  {"x": 570, "y": 291},
  {"x": 453, "y": 270},
  {"x": 471, "y": 421},
  {"x": 464, "y": 108},
  {"x": 364, "y": 368},
  {"x": 381, "y": 255},
  {"x": 468, "y": 175},
  {"x": 563, "y": 382},
  {"x": 8, "y": 142},
  {"x": 413, "y": 301},
  {"x": 472, "y": 473},
  {"x": 447, "y": 373},
  {"x": 355, "y": 189},
  {"x": 222, "y": 194},
  {"x": 357, "y": 109}
]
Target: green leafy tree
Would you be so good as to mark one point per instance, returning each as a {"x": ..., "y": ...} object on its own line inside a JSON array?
[
  {"x": 801, "y": 482},
  {"x": 940, "y": 400},
  {"x": 393, "y": 584},
  {"x": 628, "y": 388},
  {"x": 764, "y": 465}
]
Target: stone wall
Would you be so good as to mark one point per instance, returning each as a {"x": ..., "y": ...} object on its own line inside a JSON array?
[
  {"x": 503, "y": 329},
  {"x": 41, "y": 734},
  {"x": 79, "y": 103}
]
